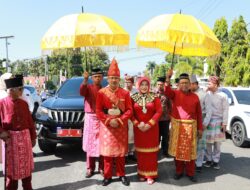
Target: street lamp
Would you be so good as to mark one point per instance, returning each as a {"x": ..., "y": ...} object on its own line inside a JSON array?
[{"x": 7, "y": 55}]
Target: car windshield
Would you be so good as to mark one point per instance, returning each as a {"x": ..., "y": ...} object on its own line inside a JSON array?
[
  {"x": 71, "y": 88},
  {"x": 243, "y": 96},
  {"x": 31, "y": 89}
]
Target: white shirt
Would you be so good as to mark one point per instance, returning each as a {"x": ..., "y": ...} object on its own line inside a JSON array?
[
  {"x": 3, "y": 94},
  {"x": 219, "y": 105},
  {"x": 206, "y": 108}
]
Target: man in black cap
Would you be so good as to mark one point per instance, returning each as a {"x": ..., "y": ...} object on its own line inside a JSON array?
[
  {"x": 186, "y": 124},
  {"x": 91, "y": 123},
  {"x": 165, "y": 118},
  {"x": 17, "y": 130}
]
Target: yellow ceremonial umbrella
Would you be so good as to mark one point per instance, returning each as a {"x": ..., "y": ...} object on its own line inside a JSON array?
[
  {"x": 179, "y": 34},
  {"x": 82, "y": 30}
]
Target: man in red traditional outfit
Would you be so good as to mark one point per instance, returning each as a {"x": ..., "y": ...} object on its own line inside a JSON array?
[
  {"x": 113, "y": 108},
  {"x": 91, "y": 123},
  {"x": 17, "y": 129},
  {"x": 185, "y": 121}
]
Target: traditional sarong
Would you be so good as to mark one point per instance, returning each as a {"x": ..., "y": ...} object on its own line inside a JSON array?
[
  {"x": 90, "y": 143},
  {"x": 214, "y": 133},
  {"x": 19, "y": 155},
  {"x": 147, "y": 165},
  {"x": 114, "y": 141},
  {"x": 183, "y": 139}
]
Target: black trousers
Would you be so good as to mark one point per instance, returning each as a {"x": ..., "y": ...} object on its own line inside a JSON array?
[{"x": 163, "y": 135}]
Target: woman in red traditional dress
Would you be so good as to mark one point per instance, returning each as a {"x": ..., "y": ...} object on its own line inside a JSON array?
[{"x": 147, "y": 111}]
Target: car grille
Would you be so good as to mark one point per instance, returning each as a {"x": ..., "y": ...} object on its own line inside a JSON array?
[{"x": 66, "y": 116}]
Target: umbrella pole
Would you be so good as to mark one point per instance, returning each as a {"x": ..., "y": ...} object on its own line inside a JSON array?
[
  {"x": 86, "y": 59},
  {"x": 172, "y": 64}
]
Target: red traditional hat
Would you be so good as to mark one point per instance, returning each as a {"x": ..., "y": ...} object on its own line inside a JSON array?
[{"x": 113, "y": 69}]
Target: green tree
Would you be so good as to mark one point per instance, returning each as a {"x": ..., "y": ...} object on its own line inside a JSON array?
[
  {"x": 216, "y": 63},
  {"x": 236, "y": 66},
  {"x": 2, "y": 69},
  {"x": 150, "y": 67}
]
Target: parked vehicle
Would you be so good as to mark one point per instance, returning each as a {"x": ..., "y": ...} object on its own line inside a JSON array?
[
  {"x": 36, "y": 98},
  {"x": 239, "y": 114},
  {"x": 60, "y": 118}
]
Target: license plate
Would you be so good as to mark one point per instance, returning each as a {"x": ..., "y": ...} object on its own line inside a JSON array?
[{"x": 69, "y": 133}]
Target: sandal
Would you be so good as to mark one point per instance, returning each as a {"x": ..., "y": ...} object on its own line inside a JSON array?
[{"x": 150, "y": 181}]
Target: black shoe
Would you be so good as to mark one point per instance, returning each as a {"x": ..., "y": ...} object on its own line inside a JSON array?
[
  {"x": 198, "y": 169},
  {"x": 178, "y": 176},
  {"x": 132, "y": 157},
  {"x": 167, "y": 155},
  {"x": 124, "y": 180},
  {"x": 89, "y": 174},
  {"x": 193, "y": 178},
  {"x": 208, "y": 164},
  {"x": 216, "y": 166},
  {"x": 105, "y": 182}
]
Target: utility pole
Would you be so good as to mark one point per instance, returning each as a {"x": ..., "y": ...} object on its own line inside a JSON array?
[{"x": 7, "y": 54}]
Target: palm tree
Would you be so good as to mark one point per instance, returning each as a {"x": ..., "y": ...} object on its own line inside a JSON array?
[{"x": 150, "y": 67}]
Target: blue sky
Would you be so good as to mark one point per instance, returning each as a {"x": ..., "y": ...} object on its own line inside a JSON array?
[{"x": 28, "y": 21}]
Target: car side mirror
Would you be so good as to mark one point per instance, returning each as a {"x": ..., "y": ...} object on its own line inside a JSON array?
[{"x": 230, "y": 101}]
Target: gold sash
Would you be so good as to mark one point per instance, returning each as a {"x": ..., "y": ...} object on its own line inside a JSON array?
[{"x": 183, "y": 139}]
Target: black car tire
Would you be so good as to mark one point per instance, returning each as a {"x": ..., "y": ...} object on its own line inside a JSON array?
[
  {"x": 47, "y": 147},
  {"x": 238, "y": 134}
]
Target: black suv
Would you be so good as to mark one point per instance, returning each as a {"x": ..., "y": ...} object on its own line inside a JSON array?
[{"x": 60, "y": 118}]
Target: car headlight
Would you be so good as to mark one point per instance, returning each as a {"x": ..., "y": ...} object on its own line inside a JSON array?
[
  {"x": 247, "y": 113},
  {"x": 43, "y": 110}
]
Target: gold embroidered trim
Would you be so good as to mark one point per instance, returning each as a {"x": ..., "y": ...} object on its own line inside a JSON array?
[
  {"x": 153, "y": 149},
  {"x": 183, "y": 120},
  {"x": 137, "y": 97},
  {"x": 152, "y": 122},
  {"x": 120, "y": 121},
  {"x": 106, "y": 121},
  {"x": 147, "y": 173}
]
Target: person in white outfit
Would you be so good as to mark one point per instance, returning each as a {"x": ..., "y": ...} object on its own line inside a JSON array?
[
  {"x": 217, "y": 126},
  {"x": 3, "y": 94},
  {"x": 129, "y": 86},
  {"x": 206, "y": 116}
]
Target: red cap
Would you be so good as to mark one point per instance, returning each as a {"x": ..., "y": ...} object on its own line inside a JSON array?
[
  {"x": 113, "y": 69},
  {"x": 215, "y": 80}
]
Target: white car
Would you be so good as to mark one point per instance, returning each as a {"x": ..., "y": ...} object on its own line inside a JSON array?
[
  {"x": 36, "y": 98},
  {"x": 239, "y": 114}
]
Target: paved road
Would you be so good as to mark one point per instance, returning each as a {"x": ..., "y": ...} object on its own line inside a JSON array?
[{"x": 66, "y": 169}]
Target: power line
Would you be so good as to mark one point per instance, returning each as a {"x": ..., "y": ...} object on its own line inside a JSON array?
[
  {"x": 140, "y": 57},
  {"x": 212, "y": 8},
  {"x": 207, "y": 4}
]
